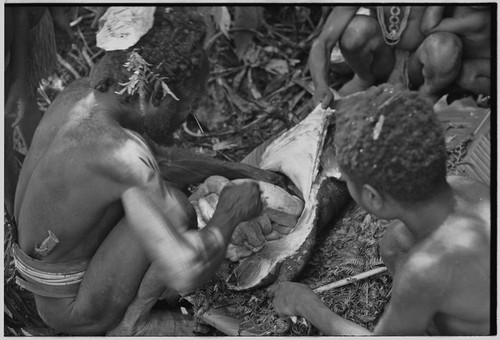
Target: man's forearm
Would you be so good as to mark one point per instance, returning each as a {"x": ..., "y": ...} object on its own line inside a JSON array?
[
  {"x": 187, "y": 258},
  {"x": 327, "y": 321},
  {"x": 210, "y": 244},
  {"x": 431, "y": 18},
  {"x": 318, "y": 65}
]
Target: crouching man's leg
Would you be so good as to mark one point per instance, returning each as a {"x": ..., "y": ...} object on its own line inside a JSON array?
[
  {"x": 435, "y": 64},
  {"x": 366, "y": 54},
  {"x": 139, "y": 319},
  {"x": 118, "y": 290},
  {"x": 395, "y": 244}
]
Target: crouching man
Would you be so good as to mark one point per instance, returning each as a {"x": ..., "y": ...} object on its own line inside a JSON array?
[
  {"x": 391, "y": 149},
  {"x": 101, "y": 235}
]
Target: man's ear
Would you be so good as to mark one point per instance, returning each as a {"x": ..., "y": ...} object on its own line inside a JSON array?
[
  {"x": 104, "y": 84},
  {"x": 372, "y": 199}
]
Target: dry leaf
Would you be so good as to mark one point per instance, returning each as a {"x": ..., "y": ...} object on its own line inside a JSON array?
[
  {"x": 277, "y": 66},
  {"x": 123, "y": 26}
]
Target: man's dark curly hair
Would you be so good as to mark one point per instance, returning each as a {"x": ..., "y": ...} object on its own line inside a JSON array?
[
  {"x": 173, "y": 46},
  {"x": 391, "y": 140}
]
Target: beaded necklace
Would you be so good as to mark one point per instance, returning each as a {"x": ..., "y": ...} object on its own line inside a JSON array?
[{"x": 393, "y": 34}]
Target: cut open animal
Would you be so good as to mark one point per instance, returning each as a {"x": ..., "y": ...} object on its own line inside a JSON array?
[{"x": 296, "y": 153}]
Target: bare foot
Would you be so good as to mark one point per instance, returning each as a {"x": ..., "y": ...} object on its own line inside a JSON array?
[{"x": 354, "y": 85}]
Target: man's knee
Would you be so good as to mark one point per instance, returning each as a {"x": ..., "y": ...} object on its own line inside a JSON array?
[
  {"x": 359, "y": 33},
  {"x": 443, "y": 52},
  {"x": 472, "y": 78},
  {"x": 68, "y": 317}
]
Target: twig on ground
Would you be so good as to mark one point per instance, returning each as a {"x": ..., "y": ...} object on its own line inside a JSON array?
[
  {"x": 306, "y": 85},
  {"x": 295, "y": 100},
  {"x": 87, "y": 50},
  {"x": 43, "y": 94},
  {"x": 217, "y": 35},
  {"x": 285, "y": 40},
  {"x": 67, "y": 66},
  {"x": 226, "y": 156},
  {"x": 97, "y": 54},
  {"x": 351, "y": 279},
  {"x": 76, "y": 21},
  {"x": 87, "y": 58},
  {"x": 223, "y": 133},
  {"x": 227, "y": 71},
  {"x": 78, "y": 61}
]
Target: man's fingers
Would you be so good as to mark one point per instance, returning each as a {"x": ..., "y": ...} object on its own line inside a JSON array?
[
  {"x": 325, "y": 103},
  {"x": 327, "y": 100}
]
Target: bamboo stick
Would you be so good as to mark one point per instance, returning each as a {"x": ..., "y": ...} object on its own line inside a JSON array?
[{"x": 351, "y": 279}]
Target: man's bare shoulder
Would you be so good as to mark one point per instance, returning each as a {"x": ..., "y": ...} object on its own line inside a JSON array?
[
  {"x": 472, "y": 199},
  {"x": 106, "y": 149},
  {"x": 454, "y": 249},
  {"x": 70, "y": 95}
]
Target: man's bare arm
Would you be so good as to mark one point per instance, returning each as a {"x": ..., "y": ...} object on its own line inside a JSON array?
[
  {"x": 319, "y": 56},
  {"x": 431, "y": 18},
  {"x": 418, "y": 290},
  {"x": 188, "y": 257},
  {"x": 417, "y": 293},
  {"x": 433, "y": 21},
  {"x": 291, "y": 298},
  {"x": 328, "y": 322}
]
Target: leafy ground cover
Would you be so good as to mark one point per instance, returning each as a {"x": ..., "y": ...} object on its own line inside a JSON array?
[{"x": 259, "y": 85}]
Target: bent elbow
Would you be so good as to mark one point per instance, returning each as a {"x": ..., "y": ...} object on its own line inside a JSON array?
[
  {"x": 189, "y": 274},
  {"x": 186, "y": 281}
]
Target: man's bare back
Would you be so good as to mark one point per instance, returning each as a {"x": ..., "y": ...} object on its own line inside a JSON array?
[
  {"x": 471, "y": 23},
  {"x": 101, "y": 234},
  {"x": 438, "y": 246},
  {"x": 458, "y": 249},
  {"x": 67, "y": 178}
]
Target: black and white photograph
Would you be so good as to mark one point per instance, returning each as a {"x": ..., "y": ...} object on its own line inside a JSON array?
[{"x": 240, "y": 169}]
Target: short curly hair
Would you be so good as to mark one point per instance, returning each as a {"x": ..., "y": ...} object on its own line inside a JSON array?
[
  {"x": 173, "y": 46},
  {"x": 391, "y": 140}
]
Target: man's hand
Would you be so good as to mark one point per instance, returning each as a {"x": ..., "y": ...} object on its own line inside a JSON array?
[
  {"x": 287, "y": 297},
  {"x": 242, "y": 201},
  {"x": 299, "y": 300},
  {"x": 323, "y": 95}
]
